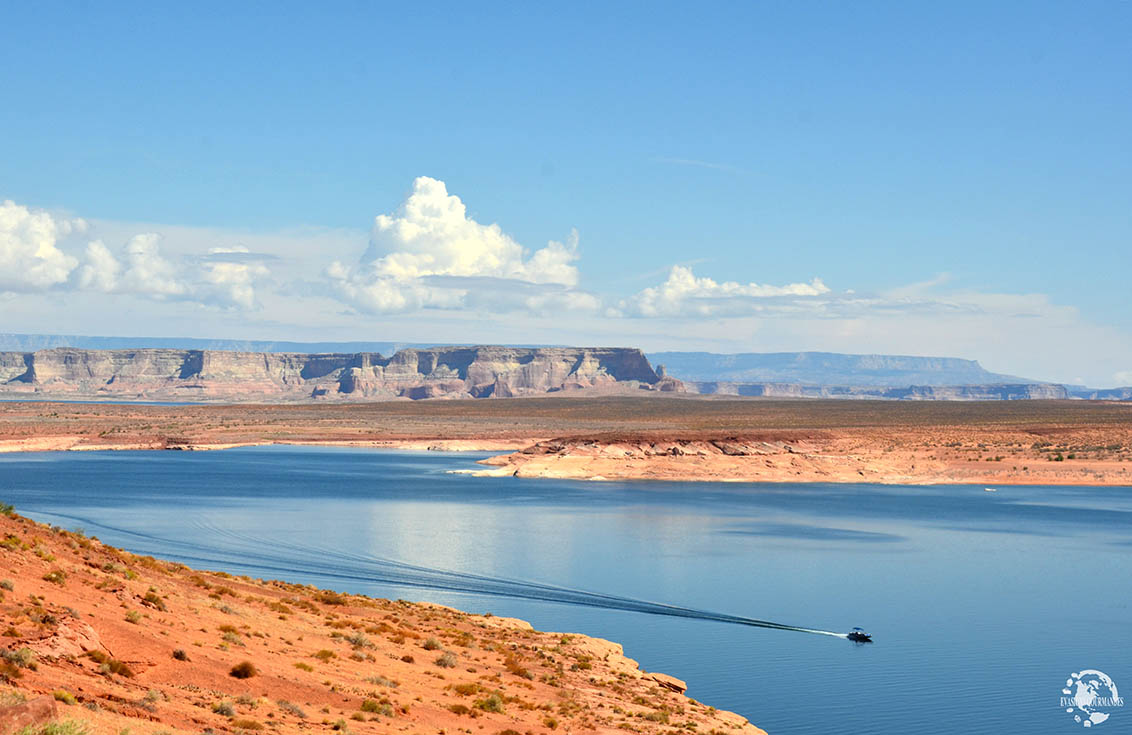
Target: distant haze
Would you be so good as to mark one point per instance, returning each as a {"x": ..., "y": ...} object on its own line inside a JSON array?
[{"x": 828, "y": 368}]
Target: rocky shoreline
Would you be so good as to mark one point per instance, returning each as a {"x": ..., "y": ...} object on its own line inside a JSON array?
[{"x": 836, "y": 460}]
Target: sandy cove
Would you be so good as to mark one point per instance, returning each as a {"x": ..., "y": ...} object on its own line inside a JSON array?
[{"x": 121, "y": 641}]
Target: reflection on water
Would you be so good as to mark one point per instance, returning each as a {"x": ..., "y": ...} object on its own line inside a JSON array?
[{"x": 969, "y": 594}]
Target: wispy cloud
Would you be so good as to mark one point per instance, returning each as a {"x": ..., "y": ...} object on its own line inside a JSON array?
[{"x": 693, "y": 163}]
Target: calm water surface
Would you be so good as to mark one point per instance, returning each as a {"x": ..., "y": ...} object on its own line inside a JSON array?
[{"x": 981, "y": 603}]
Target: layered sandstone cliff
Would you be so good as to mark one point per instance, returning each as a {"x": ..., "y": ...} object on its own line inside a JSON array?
[{"x": 457, "y": 372}]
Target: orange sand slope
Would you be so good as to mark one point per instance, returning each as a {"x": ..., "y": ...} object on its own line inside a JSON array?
[{"x": 127, "y": 642}]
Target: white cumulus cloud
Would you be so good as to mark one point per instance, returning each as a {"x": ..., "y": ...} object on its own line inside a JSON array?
[
  {"x": 232, "y": 283},
  {"x": 685, "y": 294},
  {"x": 142, "y": 270},
  {"x": 431, "y": 254},
  {"x": 30, "y": 259}
]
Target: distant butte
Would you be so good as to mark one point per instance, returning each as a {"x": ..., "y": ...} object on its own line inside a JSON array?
[{"x": 221, "y": 376}]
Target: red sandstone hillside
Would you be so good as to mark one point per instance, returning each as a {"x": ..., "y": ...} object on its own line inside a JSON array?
[{"x": 121, "y": 642}]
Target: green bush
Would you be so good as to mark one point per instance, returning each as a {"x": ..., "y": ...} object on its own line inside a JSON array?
[
  {"x": 62, "y": 695},
  {"x": 492, "y": 703}
]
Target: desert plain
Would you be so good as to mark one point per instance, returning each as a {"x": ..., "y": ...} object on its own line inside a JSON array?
[{"x": 653, "y": 437}]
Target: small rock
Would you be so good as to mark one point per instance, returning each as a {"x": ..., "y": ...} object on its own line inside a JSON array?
[{"x": 668, "y": 682}]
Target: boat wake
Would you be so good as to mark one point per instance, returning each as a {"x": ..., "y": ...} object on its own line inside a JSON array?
[{"x": 281, "y": 559}]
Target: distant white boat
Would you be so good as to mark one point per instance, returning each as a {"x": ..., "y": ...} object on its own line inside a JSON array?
[{"x": 991, "y": 489}]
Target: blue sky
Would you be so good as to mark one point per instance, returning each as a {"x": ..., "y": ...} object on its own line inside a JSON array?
[{"x": 955, "y": 175}]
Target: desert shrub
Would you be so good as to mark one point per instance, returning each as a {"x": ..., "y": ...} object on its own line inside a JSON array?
[
  {"x": 63, "y": 727},
  {"x": 512, "y": 665},
  {"x": 114, "y": 666},
  {"x": 133, "y": 616},
  {"x": 446, "y": 660},
  {"x": 150, "y": 700},
  {"x": 243, "y": 670},
  {"x": 6, "y": 584},
  {"x": 491, "y": 703},
  {"x": 461, "y": 709},
  {"x": 12, "y": 698},
  {"x": 7, "y": 509},
  {"x": 550, "y": 722},
  {"x": 23, "y": 657},
  {"x": 247, "y": 725},
  {"x": 431, "y": 644},
  {"x": 381, "y": 681},
  {"x": 152, "y": 599},
  {"x": 293, "y": 709},
  {"x": 224, "y": 708},
  {"x": 232, "y": 638},
  {"x": 180, "y": 655},
  {"x": 325, "y": 655},
  {"x": 303, "y": 666},
  {"x": 408, "y": 659},
  {"x": 9, "y": 672},
  {"x": 62, "y": 695},
  {"x": 327, "y": 597},
  {"x": 359, "y": 640},
  {"x": 56, "y": 576},
  {"x": 466, "y": 690}
]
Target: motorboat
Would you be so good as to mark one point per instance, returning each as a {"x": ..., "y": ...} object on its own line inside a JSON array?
[{"x": 857, "y": 635}]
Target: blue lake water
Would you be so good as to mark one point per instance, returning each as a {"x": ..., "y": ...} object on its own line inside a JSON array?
[{"x": 981, "y": 603}]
